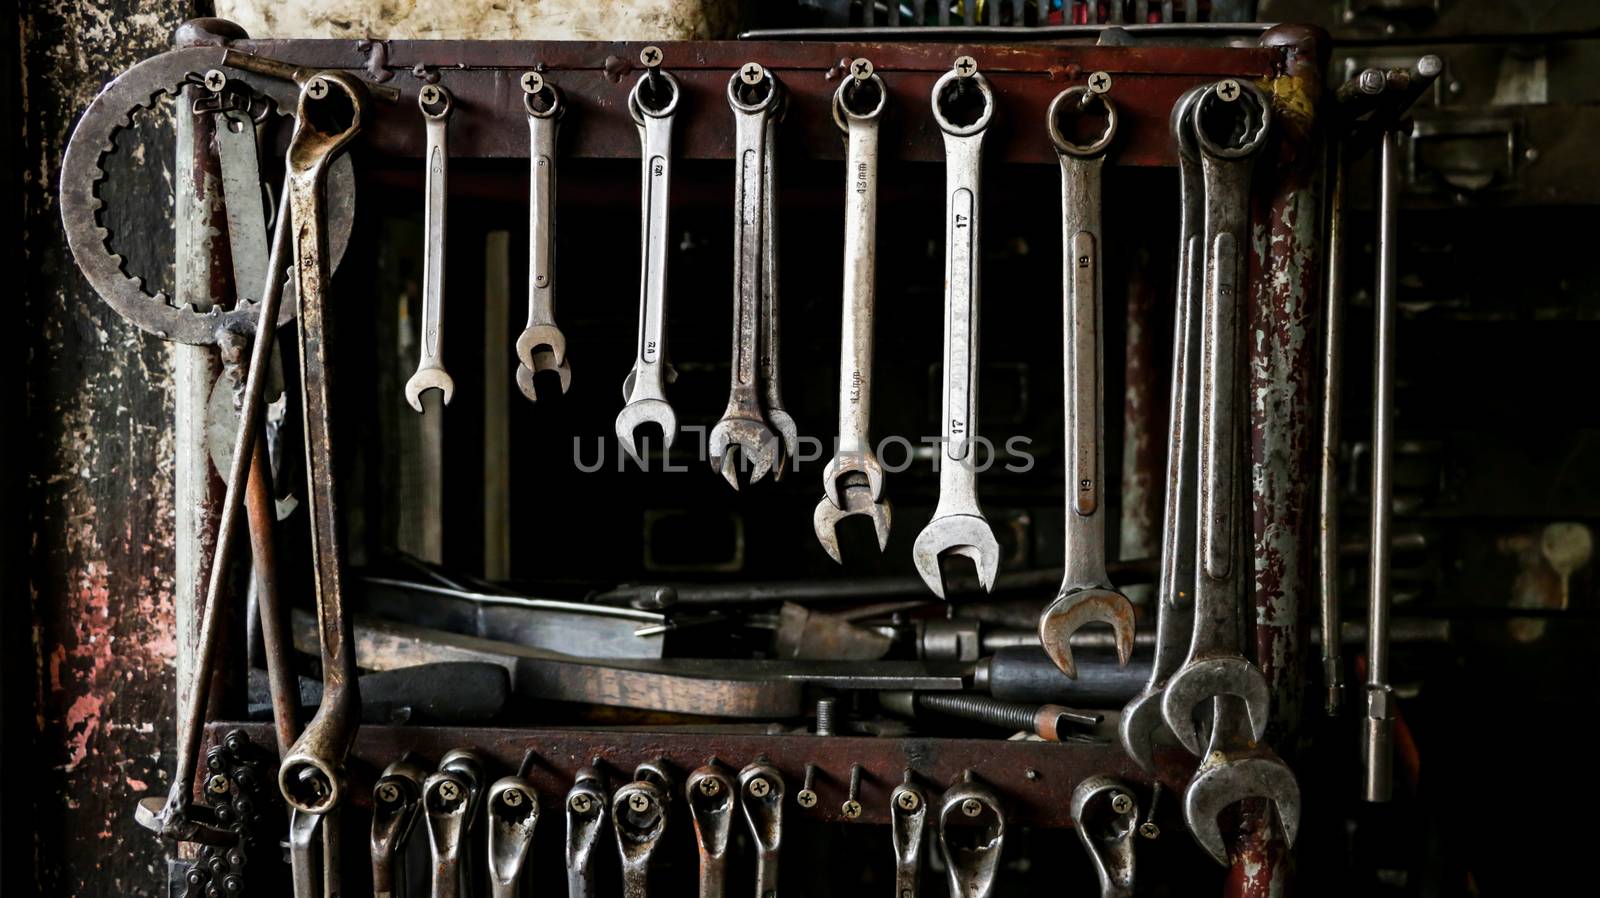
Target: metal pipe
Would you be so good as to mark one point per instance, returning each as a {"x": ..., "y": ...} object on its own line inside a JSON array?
[{"x": 1328, "y": 482}]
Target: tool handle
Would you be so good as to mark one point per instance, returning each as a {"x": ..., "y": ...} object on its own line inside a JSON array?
[
  {"x": 958, "y": 479},
  {"x": 860, "y": 276},
  {"x": 655, "y": 135},
  {"x": 1083, "y": 351},
  {"x": 542, "y": 130}
]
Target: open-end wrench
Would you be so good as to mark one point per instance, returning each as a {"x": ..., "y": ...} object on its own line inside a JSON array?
[
  {"x": 972, "y": 834},
  {"x": 1107, "y": 819},
  {"x": 513, "y": 805},
  {"x": 447, "y": 805},
  {"x": 908, "y": 817},
  {"x": 852, "y": 483},
  {"x": 1237, "y": 767},
  {"x": 761, "y": 794},
  {"x": 770, "y": 344},
  {"x": 754, "y": 96},
  {"x": 958, "y": 526},
  {"x": 396, "y": 799},
  {"x": 436, "y": 105},
  {"x": 652, "y": 103},
  {"x": 710, "y": 792},
  {"x": 1086, "y": 594},
  {"x": 586, "y": 818},
  {"x": 1141, "y": 717},
  {"x": 639, "y": 816},
  {"x": 468, "y": 765},
  {"x": 545, "y": 107},
  {"x": 1231, "y": 120}
]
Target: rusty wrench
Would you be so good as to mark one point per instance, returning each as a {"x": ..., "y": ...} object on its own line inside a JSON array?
[
  {"x": 639, "y": 814},
  {"x": 972, "y": 832},
  {"x": 958, "y": 526},
  {"x": 852, "y": 483},
  {"x": 710, "y": 794},
  {"x": 546, "y": 107},
  {"x": 586, "y": 817},
  {"x": 1086, "y": 595},
  {"x": 513, "y": 805},
  {"x": 761, "y": 794},
  {"x": 447, "y": 802},
  {"x": 1230, "y": 132},
  {"x": 436, "y": 105},
  {"x": 396, "y": 800},
  {"x": 908, "y": 817},
  {"x": 1237, "y": 767},
  {"x": 1107, "y": 818}
]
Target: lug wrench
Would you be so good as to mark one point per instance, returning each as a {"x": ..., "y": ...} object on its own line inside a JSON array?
[
  {"x": 1231, "y": 121},
  {"x": 754, "y": 94},
  {"x": 710, "y": 794},
  {"x": 544, "y": 119},
  {"x": 1086, "y": 595},
  {"x": 1107, "y": 807},
  {"x": 958, "y": 526},
  {"x": 586, "y": 817},
  {"x": 972, "y": 833},
  {"x": 644, "y": 391},
  {"x": 852, "y": 483},
  {"x": 908, "y": 817},
  {"x": 770, "y": 343},
  {"x": 436, "y": 105},
  {"x": 1141, "y": 717},
  {"x": 761, "y": 794},
  {"x": 447, "y": 801},
  {"x": 513, "y": 805},
  {"x": 639, "y": 815}
]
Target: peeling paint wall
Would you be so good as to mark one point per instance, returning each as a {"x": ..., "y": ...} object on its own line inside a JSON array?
[{"x": 588, "y": 20}]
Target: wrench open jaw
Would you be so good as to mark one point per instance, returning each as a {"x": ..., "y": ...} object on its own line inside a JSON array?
[
  {"x": 1073, "y": 610},
  {"x": 1236, "y": 768},
  {"x": 966, "y": 535},
  {"x": 758, "y": 447},
  {"x": 542, "y": 361},
  {"x": 543, "y": 347},
  {"x": 857, "y": 500}
]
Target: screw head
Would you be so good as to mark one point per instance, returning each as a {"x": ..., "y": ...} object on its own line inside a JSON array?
[
  {"x": 710, "y": 786},
  {"x": 581, "y": 803},
  {"x": 1121, "y": 802},
  {"x": 639, "y": 802},
  {"x": 805, "y": 798},
  {"x": 907, "y": 800},
  {"x": 650, "y": 56},
  {"x": 217, "y": 784},
  {"x": 861, "y": 69},
  {"x": 1099, "y": 83},
  {"x": 1149, "y": 830},
  {"x": 751, "y": 73},
  {"x": 449, "y": 791},
  {"x": 532, "y": 82},
  {"x": 850, "y": 809},
  {"x": 388, "y": 793},
  {"x": 429, "y": 94},
  {"x": 966, "y": 66},
  {"x": 215, "y": 80},
  {"x": 1228, "y": 89},
  {"x": 513, "y": 798},
  {"x": 759, "y": 787},
  {"x": 317, "y": 88},
  {"x": 972, "y": 807}
]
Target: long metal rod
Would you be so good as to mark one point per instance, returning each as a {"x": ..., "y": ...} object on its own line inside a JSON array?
[{"x": 1328, "y": 482}]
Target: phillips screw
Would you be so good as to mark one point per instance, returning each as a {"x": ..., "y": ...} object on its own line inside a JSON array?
[
  {"x": 1099, "y": 83},
  {"x": 639, "y": 802},
  {"x": 759, "y": 787},
  {"x": 966, "y": 66},
  {"x": 711, "y": 786},
  {"x": 217, "y": 784},
  {"x": 388, "y": 792},
  {"x": 449, "y": 791},
  {"x": 972, "y": 807},
  {"x": 751, "y": 73},
  {"x": 851, "y": 809},
  {"x": 807, "y": 797},
  {"x": 651, "y": 56},
  {"x": 1228, "y": 89},
  {"x": 429, "y": 95},
  {"x": 317, "y": 88},
  {"x": 532, "y": 83},
  {"x": 1121, "y": 802},
  {"x": 581, "y": 803},
  {"x": 1148, "y": 828},
  {"x": 513, "y": 798},
  {"x": 215, "y": 80},
  {"x": 861, "y": 69},
  {"x": 907, "y": 800}
]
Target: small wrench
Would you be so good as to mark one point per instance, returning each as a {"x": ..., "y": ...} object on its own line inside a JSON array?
[
  {"x": 710, "y": 794},
  {"x": 468, "y": 765},
  {"x": 545, "y": 107},
  {"x": 761, "y": 795},
  {"x": 852, "y": 483},
  {"x": 644, "y": 391},
  {"x": 639, "y": 810},
  {"x": 1086, "y": 595},
  {"x": 770, "y": 343},
  {"x": 972, "y": 834},
  {"x": 447, "y": 803},
  {"x": 743, "y": 424},
  {"x": 1175, "y": 593},
  {"x": 1107, "y": 807},
  {"x": 1229, "y": 132},
  {"x": 396, "y": 799},
  {"x": 958, "y": 526},
  {"x": 586, "y": 817},
  {"x": 908, "y": 816},
  {"x": 436, "y": 105},
  {"x": 1237, "y": 767},
  {"x": 513, "y": 805}
]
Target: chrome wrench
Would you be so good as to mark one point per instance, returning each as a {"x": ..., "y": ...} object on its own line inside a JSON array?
[
  {"x": 513, "y": 805},
  {"x": 396, "y": 801},
  {"x": 972, "y": 833},
  {"x": 639, "y": 811},
  {"x": 908, "y": 816},
  {"x": 468, "y": 765},
  {"x": 436, "y": 105},
  {"x": 761, "y": 794},
  {"x": 1106, "y": 817},
  {"x": 710, "y": 793},
  {"x": 586, "y": 817},
  {"x": 958, "y": 526},
  {"x": 1086, "y": 595},
  {"x": 447, "y": 803},
  {"x": 780, "y": 421},
  {"x": 545, "y": 107}
]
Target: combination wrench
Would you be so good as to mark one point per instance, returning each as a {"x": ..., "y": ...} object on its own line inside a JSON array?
[
  {"x": 1106, "y": 817},
  {"x": 513, "y": 813},
  {"x": 754, "y": 94},
  {"x": 1141, "y": 717},
  {"x": 1086, "y": 594},
  {"x": 396, "y": 801},
  {"x": 639, "y": 815},
  {"x": 447, "y": 806},
  {"x": 852, "y": 482},
  {"x": 652, "y": 103},
  {"x": 770, "y": 343},
  {"x": 436, "y": 105},
  {"x": 1235, "y": 768},
  {"x": 586, "y": 817},
  {"x": 541, "y": 346},
  {"x": 761, "y": 794},
  {"x": 958, "y": 526},
  {"x": 972, "y": 832},
  {"x": 468, "y": 766},
  {"x": 710, "y": 797},
  {"x": 908, "y": 818}
]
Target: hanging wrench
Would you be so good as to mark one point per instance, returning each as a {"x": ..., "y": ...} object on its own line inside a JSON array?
[
  {"x": 753, "y": 94},
  {"x": 652, "y": 103},
  {"x": 639, "y": 810},
  {"x": 545, "y": 107},
  {"x": 770, "y": 343},
  {"x": 761, "y": 795},
  {"x": 513, "y": 805},
  {"x": 468, "y": 765},
  {"x": 447, "y": 802},
  {"x": 710, "y": 793},
  {"x": 1110, "y": 844},
  {"x": 1175, "y": 593},
  {"x": 1086, "y": 595},
  {"x": 908, "y": 817},
  {"x": 1231, "y": 120},
  {"x": 852, "y": 483},
  {"x": 586, "y": 817},
  {"x": 972, "y": 833},
  {"x": 958, "y": 526},
  {"x": 1237, "y": 767},
  {"x": 396, "y": 799},
  {"x": 436, "y": 105}
]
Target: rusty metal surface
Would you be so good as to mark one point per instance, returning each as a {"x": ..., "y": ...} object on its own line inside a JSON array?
[{"x": 596, "y": 77}]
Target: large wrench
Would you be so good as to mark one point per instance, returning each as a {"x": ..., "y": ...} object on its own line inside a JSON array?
[
  {"x": 1141, "y": 717},
  {"x": 586, "y": 817},
  {"x": 710, "y": 794},
  {"x": 852, "y": 483},
  {"x": 1086, "y": 595},
  {"x": 513, "y": 805},
  {"x": 958, "y": 526},
  {"x": 754, "y": 94},
  {"x": 1230, "y": 131},
  {"x": 771, "y": 384},
  {"x": 436, "y": 105},
  {"x": 545, "y": 107},
  {"x": 761, "y": 794},
  {"x": 972, "y": 833},
  {"x": 639, "y": 814},
  {"x": 396, "y": 799},
  {"x": 447, "y": 803},
  {"x": 1107, "y": 819},
  {"x": 908, "y": 817},
  {"x": 1237, "y": 767}
]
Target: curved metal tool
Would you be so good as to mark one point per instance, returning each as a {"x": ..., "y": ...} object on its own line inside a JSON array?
[
  {"x": 396, "y": 801},
  {"x": 544, "y": 119},
  {"x": 447, "y": 804},
  {"x": 467, "y": 764},
  {"x": 852, "y": 482},
  {"x": 761, "y": 794},
  {"x": 1107, "y": 819},
  {"x": 1086, "y": 595},
  {"x": 972, "y": 832},
  {"x": 908, "y": 817},
  {"x": 1235, "y": 768},
  {"x": 436, "y": 105},
  {"x": 1230, "y": 133},
  {"x": 586, "y": 817},
  {"x": 710, "y": 793},
  {"x": 743, "y": 424},
  {"x": 771, "y": 382},
  {"x": 513, "y": 805},
  {"x": 1141, "y": 717},
  {"x": 644, "y": 391},
  {"x": 639, "y": 811},
  {"x": 958, "y": 526}
]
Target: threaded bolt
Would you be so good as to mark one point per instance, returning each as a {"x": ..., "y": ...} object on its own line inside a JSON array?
[{"x": 825, "y": 716}]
